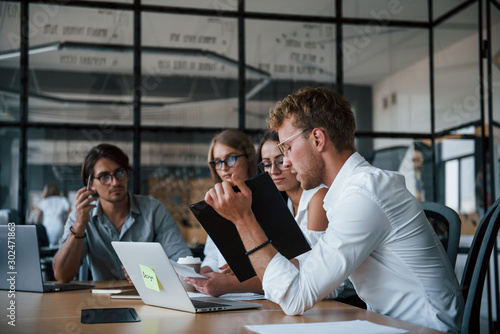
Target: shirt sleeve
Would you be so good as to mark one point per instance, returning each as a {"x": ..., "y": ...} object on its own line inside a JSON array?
[
  {"x": 211, "y": 255},
  {"x": 312, "y": 236},
  {"x": 168, "y": 234},
  {"x": 351, "y": 236}
]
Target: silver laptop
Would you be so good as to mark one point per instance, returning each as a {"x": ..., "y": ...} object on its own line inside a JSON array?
[
  {"x": 20, "y": 268},
  {"x": 136, "y": 256}
]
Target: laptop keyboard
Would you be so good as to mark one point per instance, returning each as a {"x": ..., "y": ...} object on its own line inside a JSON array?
[{"x": 202, "y": 304}]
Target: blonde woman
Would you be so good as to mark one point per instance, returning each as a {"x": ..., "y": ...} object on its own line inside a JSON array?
[
  {"x": 53, "y": 210},
  {"x": 231, "y": 152}
]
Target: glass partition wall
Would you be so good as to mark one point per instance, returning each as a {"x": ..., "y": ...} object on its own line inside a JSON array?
[
  {"x": 159, "y": 81},
  {"x": 173, "y": 76}
]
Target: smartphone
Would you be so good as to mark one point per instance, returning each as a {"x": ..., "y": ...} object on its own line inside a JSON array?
[
  {"x": 107, "y": 315},
  {"x": 88, "y": 188},
  {"x": 88, "y": 181}
]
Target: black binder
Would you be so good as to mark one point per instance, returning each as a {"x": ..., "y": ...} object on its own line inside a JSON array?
[{"x": 273, "y": 215}]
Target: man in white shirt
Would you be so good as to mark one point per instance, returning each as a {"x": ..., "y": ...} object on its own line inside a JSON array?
[{"x": 378, "y": 235}]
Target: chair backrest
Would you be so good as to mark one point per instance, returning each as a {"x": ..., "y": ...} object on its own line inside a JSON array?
[
  {"x": 439, "y": 215},
  {"x": 476, "y": 267}
]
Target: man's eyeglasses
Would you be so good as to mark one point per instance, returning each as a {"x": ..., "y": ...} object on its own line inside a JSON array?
[
  {"x": 285, "y": 149},
  {"x": 106, "y": 179},
  {"x": 266, "y": 166},
  {"x": 229, "y": 161}
]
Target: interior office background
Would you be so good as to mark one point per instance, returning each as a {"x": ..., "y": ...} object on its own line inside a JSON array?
[{"x": 160, "y": 78}]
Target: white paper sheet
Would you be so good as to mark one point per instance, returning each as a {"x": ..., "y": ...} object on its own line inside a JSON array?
[
  {"x": 337, "y": 327},
  {"x": 185, "y": 271}
]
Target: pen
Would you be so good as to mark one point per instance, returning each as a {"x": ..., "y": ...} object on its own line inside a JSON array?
[{"x": 88, "y": 181}]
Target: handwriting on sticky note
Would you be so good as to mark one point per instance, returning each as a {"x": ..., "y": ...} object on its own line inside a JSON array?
[{"x": 150, "y": 279}]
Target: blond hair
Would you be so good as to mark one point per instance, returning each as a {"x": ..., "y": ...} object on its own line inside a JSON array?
[{"x": 322, "y": 108}]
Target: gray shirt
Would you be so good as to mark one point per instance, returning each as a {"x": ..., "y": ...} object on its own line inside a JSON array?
[{"x": 148, "y": 220}]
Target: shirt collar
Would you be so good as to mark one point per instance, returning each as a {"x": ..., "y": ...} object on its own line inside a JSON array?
[
  {"x": 134, "y": 207},
  {"x": 342, "y": 177}
]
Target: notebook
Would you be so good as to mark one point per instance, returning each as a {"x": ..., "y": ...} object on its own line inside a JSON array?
[
  {"x": 274, "y": 217},
  {"x": 20, "y": 262},
  {"x": 157, "y": 282}
]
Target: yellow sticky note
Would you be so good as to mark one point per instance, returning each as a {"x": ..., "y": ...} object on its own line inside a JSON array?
[{"x": 150, "y": 279}]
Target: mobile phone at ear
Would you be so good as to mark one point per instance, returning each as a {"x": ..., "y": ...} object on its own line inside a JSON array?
[
  {"x": 88, "y": 181},
  {"x": 109, "y": 315}
]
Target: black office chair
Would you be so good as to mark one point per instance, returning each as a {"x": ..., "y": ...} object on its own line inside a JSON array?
[
  {"x": 476, "y": 267},
  {"x": 446, "y": 223}
]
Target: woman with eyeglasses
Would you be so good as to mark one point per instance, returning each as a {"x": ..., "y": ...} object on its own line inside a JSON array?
[
  {"x": 305, "y": 205},
  {"x": 231, "y": 152}
]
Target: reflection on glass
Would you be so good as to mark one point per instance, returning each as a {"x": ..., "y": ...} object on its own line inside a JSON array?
[
  {"x": 190, "y": 68},
  {"x": 80, "y": 65},
  {"x": 456, "y": 70},
  {"x": 444, "y": 6},
  {"x": 393, "y": 63},
  {"x": 9, "y": 61},
  {"x": 293, "y": 54},
  {"x": 9, "y": 168},
  {"x": 382, "y": 11},
  {"x": 217, "y": 5},
  {"x": 294, "y": 7}
]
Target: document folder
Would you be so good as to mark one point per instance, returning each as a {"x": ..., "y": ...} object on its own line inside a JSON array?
[{"x": 274, "y": 217}]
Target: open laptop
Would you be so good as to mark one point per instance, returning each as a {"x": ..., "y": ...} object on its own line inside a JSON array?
[
  {"x": 137, "y": 257},
  {"x": 20, "y": 262}
]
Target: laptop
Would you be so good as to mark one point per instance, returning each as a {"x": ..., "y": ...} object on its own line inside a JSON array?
[
  {"x": 20, "y": 262},
  {"x": 147, "y": 262}
]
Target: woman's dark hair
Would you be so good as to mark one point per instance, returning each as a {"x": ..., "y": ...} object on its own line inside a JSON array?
[
  {"x": 108, "y": 151},
  {"x": 268, "y": 136}
]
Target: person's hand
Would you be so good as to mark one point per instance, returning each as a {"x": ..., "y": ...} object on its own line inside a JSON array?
[
  {"x": 205, "y": 269},
  {"x": 217, "y": 284},
  {"x": 83, "y": 205},
  {"x": 226, "y": 269},
  {"x": 234, "y": 206},
  {"x": 127, "y": 277}
]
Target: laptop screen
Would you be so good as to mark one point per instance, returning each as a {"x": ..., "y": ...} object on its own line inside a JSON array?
[{"x": 19, "y": 258}]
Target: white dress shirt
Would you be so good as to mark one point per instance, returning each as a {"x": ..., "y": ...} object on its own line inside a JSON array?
[
  {"x": 213, "y": 257},
  {"x": 301, "y": 216},
  {"x": 379, "y": 237}
]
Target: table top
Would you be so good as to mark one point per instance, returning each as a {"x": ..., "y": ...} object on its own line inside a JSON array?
[{"x": 59, "y": 312}]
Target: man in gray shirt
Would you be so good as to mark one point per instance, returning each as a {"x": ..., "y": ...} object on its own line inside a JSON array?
[{"x": 115, "y": 215}]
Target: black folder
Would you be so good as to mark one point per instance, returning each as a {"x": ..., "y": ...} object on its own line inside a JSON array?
[{"x": 273, "y": 215}]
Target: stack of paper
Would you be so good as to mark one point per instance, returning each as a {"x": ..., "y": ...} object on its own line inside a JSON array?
[{"x": 338, "y": 327}]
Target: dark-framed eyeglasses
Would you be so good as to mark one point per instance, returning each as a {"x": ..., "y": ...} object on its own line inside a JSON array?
[
  {"x": 266, "y": 166},
  {"x": 229, "y": 161},
  {"x": 106, "y": 179}
]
